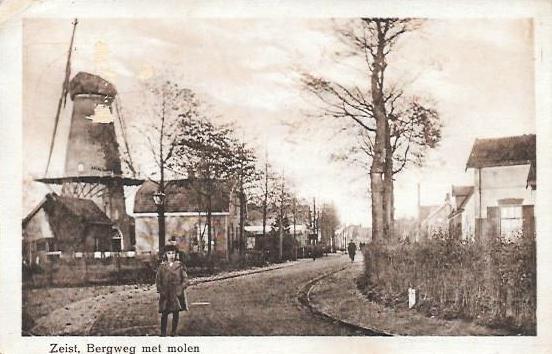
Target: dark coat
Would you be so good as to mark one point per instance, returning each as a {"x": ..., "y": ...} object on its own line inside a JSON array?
[
  {"x": 351, "y": 248},
  {"x": 171, "y": 280}
]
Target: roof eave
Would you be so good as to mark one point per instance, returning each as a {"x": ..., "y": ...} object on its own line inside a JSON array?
[{"x": 499, "y": 164}]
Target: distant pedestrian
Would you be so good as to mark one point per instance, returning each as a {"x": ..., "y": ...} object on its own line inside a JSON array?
[
  {"x": 171, "y": 281},
  {"x": 351, "y": 248}
]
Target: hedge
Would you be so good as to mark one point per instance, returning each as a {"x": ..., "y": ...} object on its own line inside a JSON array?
[{"x": 493, "y": 284}]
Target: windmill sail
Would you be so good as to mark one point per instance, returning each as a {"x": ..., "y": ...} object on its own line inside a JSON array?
[{"x": 63, "y": 97}]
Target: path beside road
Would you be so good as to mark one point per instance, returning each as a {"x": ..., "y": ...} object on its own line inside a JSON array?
[{"x": 337, "y": 296}]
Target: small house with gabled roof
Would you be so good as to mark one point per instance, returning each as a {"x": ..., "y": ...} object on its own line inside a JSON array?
[
  {"x": 436, "y": 219},
  {"x": 59, "y": 226},
  {"x": 504, "y": 185},
  {"x": 186, "y": 217},
  {"x": 462, "y": 216}
]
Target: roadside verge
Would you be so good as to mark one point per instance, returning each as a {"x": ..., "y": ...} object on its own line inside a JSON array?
[{"x": 336, "y": 296}]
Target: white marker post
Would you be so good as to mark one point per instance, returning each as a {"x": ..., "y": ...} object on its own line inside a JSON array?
[{"x": 411, "y": 297}]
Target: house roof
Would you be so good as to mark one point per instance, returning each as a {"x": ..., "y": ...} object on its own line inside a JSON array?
[
  {"x": 436, "y": 212},
  {"x": 85, "y": 209},
  {"x": 507, "y": 151},
  {"x": 425, "y": 210},
  {"x": 462, "y": 195},
  {"x": 461, "y": 191},
  {"x": 182, "y": 195}
]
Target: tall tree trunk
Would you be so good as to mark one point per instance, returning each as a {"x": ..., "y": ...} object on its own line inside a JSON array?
[
  {"x": 281, "y": 226},
  {"x": 209, "y": 217},
  {"x": 242, "y": 242},
  {"x": 281, "y": 238},
  {"x": 388, "y": 199},
  {"x": 294, "y": 231},
  {"x": 161, "y": 207},
  {"x": 265, "y": 200},
  {"x": 378, "y": 161}
]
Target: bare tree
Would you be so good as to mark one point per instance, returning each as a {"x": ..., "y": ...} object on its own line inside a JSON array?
[
  {"x": 414, "y": 128},
  {"x": 165, "y": 106},
  {"x": 206, "y": 155},
  {"x": 282, "y": 205},
  {"x": 329, "y": 221},
  {"x": 264, "y": 191},
  {"x": 372, "y": 109},
  {"x": 243, "y": 171}
]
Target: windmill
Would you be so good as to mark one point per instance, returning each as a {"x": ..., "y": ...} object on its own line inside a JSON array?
[{"x": 93, "y": 163}]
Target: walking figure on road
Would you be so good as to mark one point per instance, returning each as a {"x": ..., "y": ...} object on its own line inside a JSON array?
[
  {"x": 351, "y": 248},
  {"x": 171, "y": 281}
]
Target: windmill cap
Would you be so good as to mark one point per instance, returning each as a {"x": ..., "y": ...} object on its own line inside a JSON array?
[{"x": 86, "y": 83}]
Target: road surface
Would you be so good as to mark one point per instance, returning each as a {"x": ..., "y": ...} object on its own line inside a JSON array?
[{"x": 253, "y": 305}]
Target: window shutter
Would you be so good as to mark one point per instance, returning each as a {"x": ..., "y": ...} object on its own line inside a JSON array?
[
  {"x": 493, "y": 222},
  {"x": 528, "y": 214}
]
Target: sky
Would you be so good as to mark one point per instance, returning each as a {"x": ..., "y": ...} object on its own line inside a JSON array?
[{"x": 479, "y": 73}]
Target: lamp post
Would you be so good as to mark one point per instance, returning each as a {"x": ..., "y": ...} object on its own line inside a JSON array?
[{"x": 159, "y": 200}]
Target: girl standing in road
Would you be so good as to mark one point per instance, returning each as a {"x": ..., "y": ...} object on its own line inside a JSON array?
[{"x": 171, "y": 280}]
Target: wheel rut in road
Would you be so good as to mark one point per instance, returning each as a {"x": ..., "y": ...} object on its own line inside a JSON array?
[{"x": 303, "y": 297}]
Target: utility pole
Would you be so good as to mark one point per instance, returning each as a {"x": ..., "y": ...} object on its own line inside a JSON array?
[
  {"x": 419, "y": 223},
  {"x": 294, "y": 232},
  {"x": 281, "y": 223},
  {"x": 314, "y": 226}
]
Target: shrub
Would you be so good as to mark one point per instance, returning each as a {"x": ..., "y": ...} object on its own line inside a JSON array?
[{"x": 493, "y": 283}]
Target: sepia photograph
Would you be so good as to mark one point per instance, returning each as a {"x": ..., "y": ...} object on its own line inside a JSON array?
[
  {"x": 359, "y": 176},
  {"x": 308, "y": 181}
]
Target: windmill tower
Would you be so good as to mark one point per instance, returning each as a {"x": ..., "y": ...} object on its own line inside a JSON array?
[{"x": 92, "y": 163}]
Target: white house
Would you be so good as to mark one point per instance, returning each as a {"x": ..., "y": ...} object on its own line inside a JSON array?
[
  {"x": 504, "y": 186},
  {"x": 254, "y": 232},
  {"x": 186, "y": 218}
]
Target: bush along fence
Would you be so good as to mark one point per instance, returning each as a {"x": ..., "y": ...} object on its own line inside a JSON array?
[
  {"x": 491, "y": 283},
  {"x": 88, "y": 269}
]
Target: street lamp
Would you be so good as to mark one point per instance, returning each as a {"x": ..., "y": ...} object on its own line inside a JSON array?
[{"x": 159, "y": 200}]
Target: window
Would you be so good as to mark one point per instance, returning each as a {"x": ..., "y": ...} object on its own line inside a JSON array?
[
  {"x": 510, "y": 221},
  {"x": 201, "y": 237},
  {"x": 116, "y": 241}
]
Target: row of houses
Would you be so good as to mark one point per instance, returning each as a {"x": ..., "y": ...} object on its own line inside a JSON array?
[
  {"x": 62, "y": 225},
  {"x": 501, "y": 200}
]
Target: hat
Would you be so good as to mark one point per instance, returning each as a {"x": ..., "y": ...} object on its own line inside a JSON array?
[{"x": 171, "y": 247}]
